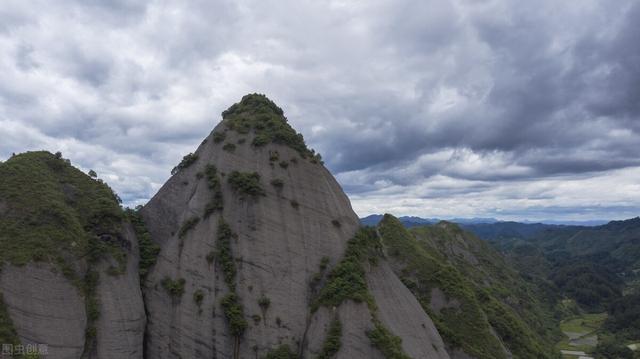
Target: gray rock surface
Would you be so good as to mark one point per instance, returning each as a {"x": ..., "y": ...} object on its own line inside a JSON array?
[
  {"x": 120, "y": 328},
  {"x": 45, "y": 308},
  {"x": 277, "y": 251},
  {"x": 401, "y": 313}
]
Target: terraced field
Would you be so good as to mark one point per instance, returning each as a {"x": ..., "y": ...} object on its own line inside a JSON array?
[{"x": 580, "y": 333}]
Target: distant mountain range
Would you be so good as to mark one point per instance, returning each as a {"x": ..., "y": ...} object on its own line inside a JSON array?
[{"x": 412, "y": 221}]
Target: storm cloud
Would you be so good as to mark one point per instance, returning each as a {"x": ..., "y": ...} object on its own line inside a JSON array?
[{"x": 463, "y": 108}]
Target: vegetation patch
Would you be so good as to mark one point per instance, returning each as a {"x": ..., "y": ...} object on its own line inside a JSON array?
[
  {"x": 277, "y": 183},
  {"x": 188, "y": 225},
  {"x": 230, "y": 303},
  {"x": 198, "y": 297},
  {"x": 390, "y": 345},
  {"x": 464, "y": 327},
  {"x": 187, "y": 161},
  {"x": 216, "y": 202},
  {"x": 347, "y": 279},
  {"x": 264, "y": 302},
  {"x": 233, "y": 312},
  {"x": 149, "y": 250},
  {"x": 57, "y": 214},
  {"x": 224, "y": 255},
  {"x": 332, "y": 341},
  {"x": 54, "y": 211},
  {"x": 210, "y": 257},
  {"x": 246, "y": 184},
  {"x": 255, "y": 112},
  {"x": 229, "y": 147},
  {"x": 8, "y": 334},
  {"x": 478, "y": 290},
  {"x": 281, "y": 352},
  {"x": 219, "y": 136},
  {"x": 174, "y": 287}
]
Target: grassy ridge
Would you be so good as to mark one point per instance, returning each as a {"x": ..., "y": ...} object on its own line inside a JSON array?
[
  {"x": 52, "y": 211},
  {"x": 477, "y": 287}
]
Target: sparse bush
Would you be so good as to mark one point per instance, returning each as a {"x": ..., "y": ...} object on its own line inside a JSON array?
[
  {"x": 389, "y": 344},
  {"x": 188, "y": 225},
  {"x": 210, "y": 257},
  {"x": 174, "y": 287},
  {"x": 233, "y": 312},
  {"x": 224, "y": 255},
  {"x": 219, "y": 136},
  {"x": 246, "y": 184},
  {"x": 187, "y": 161},
  {"x": 281, "y": 352},
  {"x": 277, "y": 183},
  {"x": 273, "y": 156},
  {"x": 149, "y": 250},
  {"x": 260, "y": 140},
  {"x": 347, "y": 279},
  {"x": 284, "y": 164},
  {"x": 264, "y": 302},
  {"x": 229, "y": 147},
  {"x": 213, "y": 182},
  {"x": 324, "y": 262},
  {"x": 332, "y": 342},
  {"x": 93, "y": 174},
  {"x": 198, "y": 297}
]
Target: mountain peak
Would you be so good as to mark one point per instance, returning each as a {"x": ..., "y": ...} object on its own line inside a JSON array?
[
  {"x": 254, "y": 103},
  {"x": 258, "y": 114}
]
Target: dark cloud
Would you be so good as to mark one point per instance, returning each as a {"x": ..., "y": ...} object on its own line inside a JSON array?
[{"x": 420, "y": 107}]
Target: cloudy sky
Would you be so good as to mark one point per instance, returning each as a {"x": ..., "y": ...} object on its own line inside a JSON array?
[{"x": 497, "y": 108}]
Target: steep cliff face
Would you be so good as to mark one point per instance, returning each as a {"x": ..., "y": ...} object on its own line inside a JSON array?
[
  {"x": 253, "y": 229},
  {"x": 68, "y": 258}
]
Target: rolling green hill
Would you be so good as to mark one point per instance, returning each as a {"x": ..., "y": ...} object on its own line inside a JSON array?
[
  {"x": 597, "y": 267},
  {"x": 480, "y": 305}
]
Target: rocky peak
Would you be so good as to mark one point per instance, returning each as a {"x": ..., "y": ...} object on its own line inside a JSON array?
[{"x": 252, "y": 228}]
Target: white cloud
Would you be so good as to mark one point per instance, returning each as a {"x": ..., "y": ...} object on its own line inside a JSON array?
[{"x": 487, "y": 106}]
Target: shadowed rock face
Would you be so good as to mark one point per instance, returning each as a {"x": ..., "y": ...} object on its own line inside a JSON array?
[
  {"x": 47, "y": 308},
  {"x": 280, "y": 240},
  {"x": 59, "y": 228}
]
